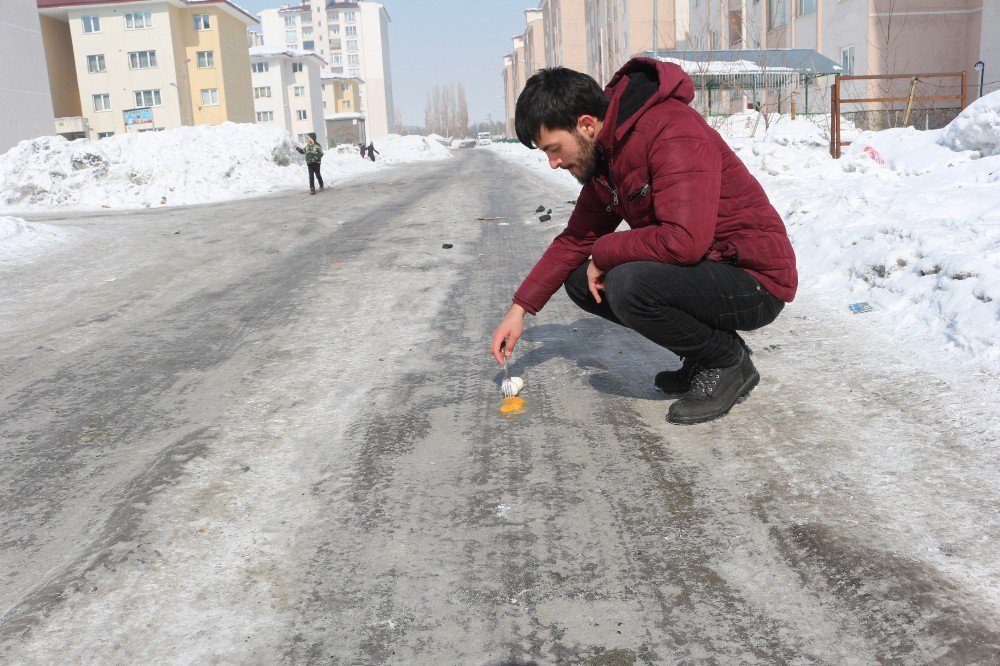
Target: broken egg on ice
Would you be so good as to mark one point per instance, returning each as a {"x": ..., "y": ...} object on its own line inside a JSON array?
[{"x": 516, "y": 384}]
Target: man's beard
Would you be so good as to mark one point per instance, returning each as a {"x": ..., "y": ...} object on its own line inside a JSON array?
[{"x": 586, "y": 159}]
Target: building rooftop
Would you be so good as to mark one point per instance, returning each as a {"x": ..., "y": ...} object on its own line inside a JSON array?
[
  {"x": 58, "y": 8},
  {"x": 271, "y": 51},
  {"x": 750, "y": 61},
  {"x": 344, "y": 116},
  {"x": 343, "y": 77}
]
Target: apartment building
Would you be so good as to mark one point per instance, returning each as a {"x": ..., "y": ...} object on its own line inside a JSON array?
[
  {"x": 510, "y": 92},
  {"x": 353, "y": 37},
  {"x": 287, "y": 91},
  {"x": 565, "y": 38},
  {"x": 534, "y": 41},
  {"x": 865, "y": 36},
  {"x": 617, "y": 30},
  {"x": 26, "y": 111},
  {"x": 146, "y": 65},
  {"x": 342, "y": 109}
]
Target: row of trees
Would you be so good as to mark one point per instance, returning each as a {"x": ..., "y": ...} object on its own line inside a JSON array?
[{"x": 447, "y": 112}]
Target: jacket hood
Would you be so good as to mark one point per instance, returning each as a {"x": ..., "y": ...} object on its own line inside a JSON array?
[{"x": 638, "y": 85}]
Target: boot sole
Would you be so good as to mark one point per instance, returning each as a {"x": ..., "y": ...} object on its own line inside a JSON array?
[{"x": 742, "y": 395}]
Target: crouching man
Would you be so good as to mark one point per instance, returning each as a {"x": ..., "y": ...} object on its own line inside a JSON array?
[{"x": 706, "y": 255}]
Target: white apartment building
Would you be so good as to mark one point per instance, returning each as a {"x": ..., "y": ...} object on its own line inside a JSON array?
[
  {"x": 353, "y": 39},
  {"x": 288, "y": 91},
  {"x": 26, "y": 111}
]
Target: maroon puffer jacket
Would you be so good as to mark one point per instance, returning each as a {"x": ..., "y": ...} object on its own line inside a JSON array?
[{"x": 677, "y": 183}]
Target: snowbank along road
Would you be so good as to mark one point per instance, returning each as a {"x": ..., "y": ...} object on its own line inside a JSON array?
[{"x": 268, "y": 431}]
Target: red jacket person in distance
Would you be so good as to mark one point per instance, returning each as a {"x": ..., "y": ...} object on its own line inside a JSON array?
[{"x": 707, "y": 254}]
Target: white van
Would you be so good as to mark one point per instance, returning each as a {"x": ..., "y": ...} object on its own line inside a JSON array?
[{"x": 483, "y": 139}]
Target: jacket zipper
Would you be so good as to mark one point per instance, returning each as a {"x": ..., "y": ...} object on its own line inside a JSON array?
[{"x": 614, "y": 192}]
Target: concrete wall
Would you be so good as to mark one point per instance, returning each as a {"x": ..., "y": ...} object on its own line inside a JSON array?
[
  {"x": 26, "y": 111},
  {"x": 61, "y": 71},
  {"x": 989, "y": 48}
]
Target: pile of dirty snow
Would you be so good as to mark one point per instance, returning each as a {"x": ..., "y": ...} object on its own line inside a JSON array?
[
  {"x": 976, "y": 128},
  {"x": 187, "y": 165},
  {"x": 21, "y": 240},
  {"x": 900, "y": 222}
]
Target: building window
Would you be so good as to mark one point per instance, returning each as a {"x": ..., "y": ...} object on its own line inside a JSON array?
[
  {"x": 299, "y": 91},
  {"x": 201, "y": 22},
  {"x": 847, "y": 59},
  {"x": 308, "y": 45},
  {"x": 352, "y": 59},
  {"x": 715, "y": 41},
  {"x": 95, "y": 64},
  {"x": 296, "y": 67},
  {"x": 138, "y": 20},
  {"x": 354, "y": 72},
  {"x": 337, "y": 59},
  {"x": 91, "y": 23},
  {"x": 301, "y": 114},
  {"x": 141, "y": 59},
  {"x": 258, "y": 67},
  {"x": 209, "y": 96},
  {"x": 302, "y": 138},
  {"x": 350, "y": 17},
  {"x": 344, "y": 87},
  {"x": 147, "y": 98},
  {"x": 306, "y": 31},
  {"x": 334, "y": 28},
  {"x": 104, "y": 135},
  {"x": 346, "y": 104},
  {"x": 352, "y": 45},
  {"x": 291, "y": 36},
  {"x": 777, "y": 14},
  {"x": 265, "y": 116},
  {"x": 805, "y": 7},
  {"x": 206, "y": 59},
  {"x": 102, "y": 102},
  {"x": 263, "y": 91},
  {"x": 351, "y": 30},
  {"x": 290, "y": 21}
]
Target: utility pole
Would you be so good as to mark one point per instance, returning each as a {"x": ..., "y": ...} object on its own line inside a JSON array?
[{"x": 656, "y": 18}]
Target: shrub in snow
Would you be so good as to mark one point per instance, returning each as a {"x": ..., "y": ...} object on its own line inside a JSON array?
[{"x": 976, "y": 128}]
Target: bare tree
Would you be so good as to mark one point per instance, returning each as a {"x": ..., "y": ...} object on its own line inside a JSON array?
[{"x": 447, "y": 112}]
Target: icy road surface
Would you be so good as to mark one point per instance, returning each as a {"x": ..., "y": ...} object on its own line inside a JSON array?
[{"x": 268, "y": 431}]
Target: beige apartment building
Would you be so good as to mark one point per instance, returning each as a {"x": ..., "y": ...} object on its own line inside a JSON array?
[
  {"x": 617, "y": 30},
  {"x": 592, "y": 36},
  {"x": 871, "y": 37},
  {"x": 146, "y": 65},
  {"x": 342, "y": 109}
]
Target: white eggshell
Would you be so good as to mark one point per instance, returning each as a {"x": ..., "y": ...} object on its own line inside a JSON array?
[{"x": 516, "y": 384}]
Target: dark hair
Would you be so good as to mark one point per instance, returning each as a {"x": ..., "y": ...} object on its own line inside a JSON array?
[{"x": 556, "y": 98}]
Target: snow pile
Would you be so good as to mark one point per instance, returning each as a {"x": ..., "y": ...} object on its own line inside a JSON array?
[
  {"x": 21, "y": 240},
  {"x": 976, "y": 128},
  {"x": 187, "y": 165},
  {"x": 394, "y": 149},
  {"x": 800, "y": 132},
  {"x": 908, "y": 225},
  {"x": 536, "y": 161}
]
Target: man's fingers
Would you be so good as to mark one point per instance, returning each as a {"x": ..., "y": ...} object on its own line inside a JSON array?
[{"x": 594, "y": 291}]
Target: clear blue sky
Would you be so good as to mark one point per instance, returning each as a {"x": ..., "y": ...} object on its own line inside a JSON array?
[{"x": 434, "y": 42}]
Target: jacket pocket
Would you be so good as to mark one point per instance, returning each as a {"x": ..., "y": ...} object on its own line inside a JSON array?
[{"x": 639, "y": 194}]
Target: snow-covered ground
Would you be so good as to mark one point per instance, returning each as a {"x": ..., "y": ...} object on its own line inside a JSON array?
[
  {"x": 20, "y": 240},
  {"x": 187, "y": 165},
  {"x": 906, "y": 221}
]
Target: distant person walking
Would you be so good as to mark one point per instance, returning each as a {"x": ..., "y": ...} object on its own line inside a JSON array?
[
  {"x": 314, "y": 158},
  {"x": 363, "y": 149},
  {"x": 371, "y": 151}
]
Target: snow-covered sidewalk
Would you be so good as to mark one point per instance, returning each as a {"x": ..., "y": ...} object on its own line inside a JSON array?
[{"x": 910, "y": 226}]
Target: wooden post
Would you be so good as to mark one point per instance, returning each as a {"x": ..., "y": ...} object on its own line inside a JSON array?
[
  {"x": 834, "y": 112},
  {"x": 909, "y": 102}
]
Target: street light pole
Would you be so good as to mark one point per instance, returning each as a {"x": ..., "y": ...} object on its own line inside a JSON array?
[{"x": 981, "y": 68}]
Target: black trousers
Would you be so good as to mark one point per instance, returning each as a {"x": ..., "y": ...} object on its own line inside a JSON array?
[
  {"x": 694, "y": 311},
  {"x": 314, "y": 173}
]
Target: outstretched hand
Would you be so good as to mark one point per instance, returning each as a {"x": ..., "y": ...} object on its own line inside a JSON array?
[{"x": 508, "y": 330}]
